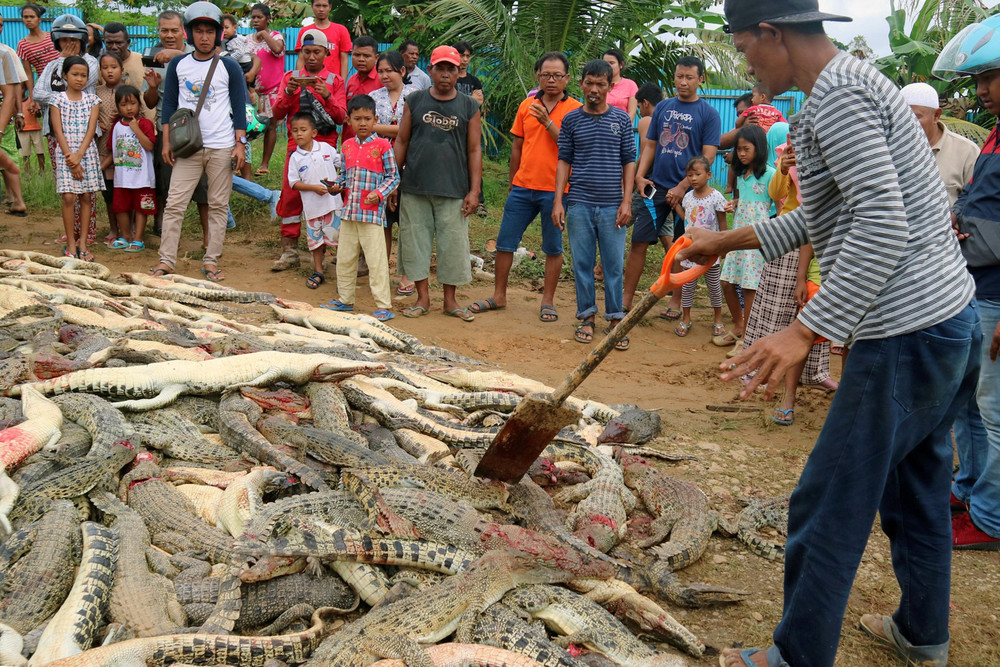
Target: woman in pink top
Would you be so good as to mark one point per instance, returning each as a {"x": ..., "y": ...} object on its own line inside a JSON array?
[
  {"x": 622, "y": 93},
  {"x": 269, "y": 45}
]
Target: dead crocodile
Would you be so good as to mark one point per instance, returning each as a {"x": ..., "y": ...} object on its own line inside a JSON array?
[{"x": 156, "y": 385}]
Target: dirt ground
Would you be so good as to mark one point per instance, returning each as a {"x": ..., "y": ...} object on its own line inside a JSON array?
[{"x": 740, "y": 454}]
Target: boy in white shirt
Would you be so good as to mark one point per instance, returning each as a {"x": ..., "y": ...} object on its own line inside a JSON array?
[{"x": 312, "y": 170}]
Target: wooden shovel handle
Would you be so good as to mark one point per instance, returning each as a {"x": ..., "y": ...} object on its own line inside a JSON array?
[{"x": 664, "y": 284}]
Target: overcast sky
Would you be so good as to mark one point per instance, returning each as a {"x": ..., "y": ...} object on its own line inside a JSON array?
[{"x": 869, "y": 21}]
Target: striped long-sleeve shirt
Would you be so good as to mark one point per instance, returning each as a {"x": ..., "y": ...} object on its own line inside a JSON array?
[{"x": 875, "y": 209}]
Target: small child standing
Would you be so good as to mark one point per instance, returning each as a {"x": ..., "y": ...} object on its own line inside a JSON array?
[
  {"x": 30, "y": 140},
  {"x": 703, "y": 207},
  {"x": 73, "y": 121},
  {"x": 110, "y": 79},
  {"x": 312, "y": 170},
  {"x": 743, "y": 267},
  {"x": 371, "y": 175},
  {"x": 130, "y": 144}
]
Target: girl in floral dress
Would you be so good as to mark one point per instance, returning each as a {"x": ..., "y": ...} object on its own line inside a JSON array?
[
  {"x": 73, "y": 118},
  {"x": 743, "y": 267}
]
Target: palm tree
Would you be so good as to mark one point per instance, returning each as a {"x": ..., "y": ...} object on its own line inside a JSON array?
[{"x": 510, "y": 35}]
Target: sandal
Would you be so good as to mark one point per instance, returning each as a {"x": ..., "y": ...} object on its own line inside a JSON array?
[
  {"x": 383, "y": 315},
  {"x": 721, "y": 337},
  {"x": 682, "y": 329},
  {"x": 461, "y": 313},
  {"x": 315, "y": 280},
  {"x": 415, "y": 311},
  {"x": 20, "y": 213},
  {"x": 85, "y": 255},
  {"x": 339, "y": 306},
  {"x": 483, "y": 306},
  {"x": 119, "y": 243},
  {"x": 746, "y": 655},
  {"x": 214, "y": 275},
  {"x": 261, "y": 171},
  {"x": 73, "y": 254},
  {"x": 585, "y": 332},
  {"x": 159, "y": 271},
  {"x": 736, "y": 350},
  {"x": 548, "y": 313},
  {"x": 406, "y": 291},
  {"x": 885, "y": 633},
  {"x": 670, "y": 314},
  {"x": 135, "y": 246},
  {"x": 783, "y": 417},
  {"x": 622, "y": 344}
]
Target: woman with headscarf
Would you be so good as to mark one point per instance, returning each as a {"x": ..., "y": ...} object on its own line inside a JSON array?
[
  {"x": 775, "y": 305},
  {"x": 69, "y": 35}
]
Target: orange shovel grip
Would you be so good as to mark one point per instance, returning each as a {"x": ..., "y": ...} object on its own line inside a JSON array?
[{"x": 670, "y": 281}]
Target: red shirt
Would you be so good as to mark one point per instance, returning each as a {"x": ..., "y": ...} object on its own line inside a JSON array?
[
  {"x": 358, "y": 86},
  {"x": 766, "y": 114},
  {"x": 340, "y": 42},
  {"x": 287, "y": 105}
]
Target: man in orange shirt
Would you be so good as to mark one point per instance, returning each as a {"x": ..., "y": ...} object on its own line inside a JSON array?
[{"x": 533, "y": 159}]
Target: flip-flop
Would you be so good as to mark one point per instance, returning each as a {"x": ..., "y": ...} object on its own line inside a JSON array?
[
  {"x": 415, "y": 311},
  {"x": 548, "y": 313},
  {"x": 135, "y": 246},
  {"x": 315, "y": 280},
  {"x": 670, "y": 314},
  {"x": 745, "y": 655},
  {"x": 85, "y": 255},
  {"x": 461, "y": 313},
  {"x": 483, "y": 306},
  {"x": 159, "y": 272},
  {"x": 215, "y": 275},
  {"x": 19, "y": 214},
  {"x": 406, "y": 291},
  {"x": 788, "y": 417},
  {"x": 383, "y": 315},
  {"x": 890, "y": 637},
  {"x": 339, "y": 306},
  {"x": 261, "y": 171},
  {"x": 682, "y": 329},
  {"x": 119, "y": 244},
  {"x": 584, "y": 332}
]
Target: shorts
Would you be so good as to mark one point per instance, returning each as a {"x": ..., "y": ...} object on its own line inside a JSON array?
[
  {"x": 323, "y": 231},
  {"x": 648, "y": 230},
  {"x": 108, "y": 193},
  {"x": 32, "y": 143},
  {"x": 142, "y": 200},
  {"x": 391, "y": 217},
  {"x": 521, "y": 208},
  {"x": 266, "y": 101},
  {"x": 424, "y": 219}
]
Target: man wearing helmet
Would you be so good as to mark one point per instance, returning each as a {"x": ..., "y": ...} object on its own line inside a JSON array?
[
  {"x": 975, "y": 496},
  {"x": 222, "y": 121},
  {"x": 895, "y": 288}
]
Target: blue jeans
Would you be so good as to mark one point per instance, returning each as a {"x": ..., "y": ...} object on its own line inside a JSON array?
[
  {"x": 519, "y": 211},
  {"x": 884, "y": 447},
  {"x": 589, "y": 227},
  {"x": 977, "y": 437},
  {"x": 254, "y": 191}
]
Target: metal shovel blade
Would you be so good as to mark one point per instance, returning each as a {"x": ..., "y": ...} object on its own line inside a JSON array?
[{"x": 529, "y": 429}]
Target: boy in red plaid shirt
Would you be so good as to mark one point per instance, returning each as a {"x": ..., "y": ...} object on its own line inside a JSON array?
[{"x": 370, "y": 176}]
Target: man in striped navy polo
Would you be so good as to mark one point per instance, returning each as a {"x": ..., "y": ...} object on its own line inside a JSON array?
[
  {"x": 595, "y": 142},
  {"x": 896, "y": 290}
]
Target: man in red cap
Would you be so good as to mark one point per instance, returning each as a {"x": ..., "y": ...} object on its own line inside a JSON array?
[
  {"x": 316, "y": 89},
  {"x": 439, "y": 143}
]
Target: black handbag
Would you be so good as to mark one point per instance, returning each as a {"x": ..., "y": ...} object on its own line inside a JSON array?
[{"x": 185, "y": 131}]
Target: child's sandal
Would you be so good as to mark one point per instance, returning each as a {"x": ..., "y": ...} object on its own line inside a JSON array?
[{"x": 683, "y": 328}]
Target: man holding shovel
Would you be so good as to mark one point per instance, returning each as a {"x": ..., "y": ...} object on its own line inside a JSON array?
[{"x": 895, "y": 288}]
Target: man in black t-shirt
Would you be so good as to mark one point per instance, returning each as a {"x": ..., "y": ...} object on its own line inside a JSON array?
[{"x": 467, "y": 83}]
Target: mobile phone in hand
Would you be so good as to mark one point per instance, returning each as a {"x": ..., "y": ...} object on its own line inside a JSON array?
[{"x": 649, "y": 191}]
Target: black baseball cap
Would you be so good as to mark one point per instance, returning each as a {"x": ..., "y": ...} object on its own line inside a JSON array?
[{"x": 743, "y": 14}]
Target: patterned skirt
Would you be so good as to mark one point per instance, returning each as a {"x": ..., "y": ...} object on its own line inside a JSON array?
[{"x": 774, "y": 309}]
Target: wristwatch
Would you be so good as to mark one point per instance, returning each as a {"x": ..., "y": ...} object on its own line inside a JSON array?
[{"x": 243, "y": 140}]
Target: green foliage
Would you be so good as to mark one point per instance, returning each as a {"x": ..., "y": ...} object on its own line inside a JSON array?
[{"x": 918, "y": 36}]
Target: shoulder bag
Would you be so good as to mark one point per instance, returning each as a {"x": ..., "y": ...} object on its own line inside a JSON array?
[{"x": 185, "y": 131}]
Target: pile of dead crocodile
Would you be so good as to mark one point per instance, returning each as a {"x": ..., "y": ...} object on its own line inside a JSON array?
[{"x": 200, "y": 475}]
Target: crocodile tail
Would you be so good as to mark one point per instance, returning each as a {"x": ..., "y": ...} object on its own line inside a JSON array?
[{"x": 227, "y": 607}]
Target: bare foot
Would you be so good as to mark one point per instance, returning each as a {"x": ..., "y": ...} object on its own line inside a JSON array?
[{"x": 730, "y": 657}]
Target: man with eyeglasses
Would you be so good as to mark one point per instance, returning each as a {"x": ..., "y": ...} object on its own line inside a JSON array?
[{"x": 533, "y": 158}]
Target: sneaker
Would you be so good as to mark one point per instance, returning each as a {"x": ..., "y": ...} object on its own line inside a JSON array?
[
  {"x": 957, "y": 505},
  {"x": 966, "y": 535}
]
